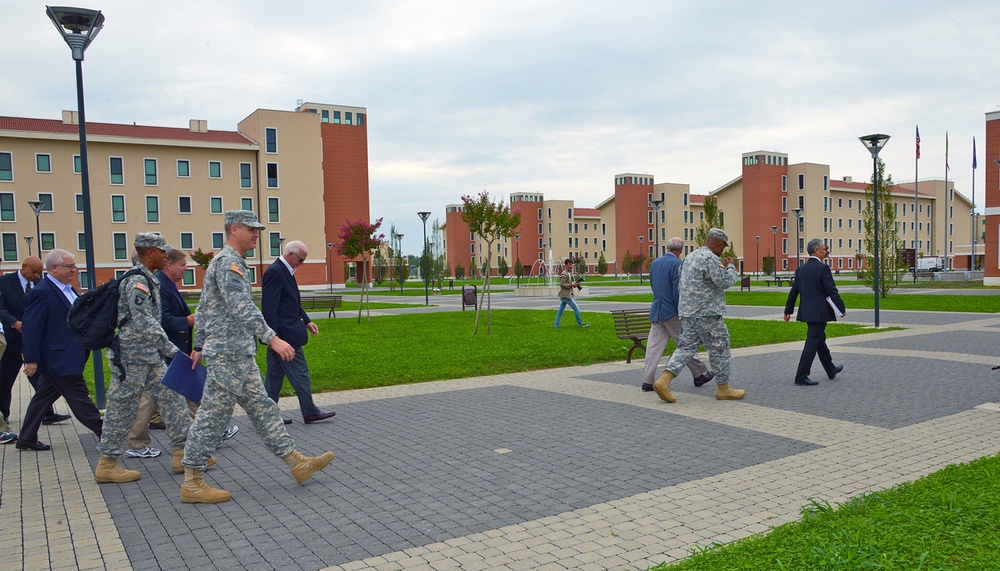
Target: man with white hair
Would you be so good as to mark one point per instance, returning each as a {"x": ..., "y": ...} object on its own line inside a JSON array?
[{"x": 282, "y": 309}]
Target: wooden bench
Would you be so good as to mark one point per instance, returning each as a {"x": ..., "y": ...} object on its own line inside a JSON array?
[
  {"x": 778, "y": 280},
  {"x": 632, "y": 325},
  {"x": 320, "y": 302}
]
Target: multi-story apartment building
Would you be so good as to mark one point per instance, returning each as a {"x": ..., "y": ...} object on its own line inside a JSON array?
[
  {"x": 305, "y": 173},
  {"x": 991, "y": 258}
]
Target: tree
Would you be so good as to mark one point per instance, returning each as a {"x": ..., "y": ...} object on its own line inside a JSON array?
[
  {"x": 459, "y": 271},
  {"x": 713, "y": 219},
  {"x": 489, "y": 221},
  {"x": 502, "y": 268},
  {"x": 768, "y": 264},
  {"x": 628, "y": 263},
  {"x": 602, "y": 265},
  {"x": 890, "y": 267},
  {"x": 202, "y": 258},
  {"x": 579, "y": 266},
  {"x": 379, "y": 268},
  {"x": 359, "y": 239},
  {"x": 518, "y": 268}
]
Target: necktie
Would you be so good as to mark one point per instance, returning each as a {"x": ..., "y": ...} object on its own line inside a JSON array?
[{"x": 27, "y": 288}]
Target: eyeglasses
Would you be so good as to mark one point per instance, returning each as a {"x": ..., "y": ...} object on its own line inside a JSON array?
[
  {"x": 299, "y": 258},
  {"x": 68, "y": 266}
]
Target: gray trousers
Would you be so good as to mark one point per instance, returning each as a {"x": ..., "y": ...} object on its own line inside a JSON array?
[
  {"x": 297, "y": 371},
  {"x": 660, "y": 333}
]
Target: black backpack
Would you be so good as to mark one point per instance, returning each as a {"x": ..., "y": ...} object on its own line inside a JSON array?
[{"x": 93, "y": 319}]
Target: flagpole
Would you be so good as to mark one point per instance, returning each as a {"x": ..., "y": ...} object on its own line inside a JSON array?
[
  {"x": 947, "y": 204},
  {"x": 972, "y": 262},
  {"x": 916, "y": 202}
]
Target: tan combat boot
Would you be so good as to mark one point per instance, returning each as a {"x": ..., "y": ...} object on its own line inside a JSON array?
[
  {"x": 109, "y": 470},
  {"x": 194, "y": 490},
  {"x": 726, "y": 393},
  {"x": 178, "y": 456},
  {"x": 303, "y": 467},
  {"x": 662, "y": 386}
]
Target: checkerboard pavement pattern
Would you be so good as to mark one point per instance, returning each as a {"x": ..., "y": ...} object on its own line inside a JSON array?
[{"x": 571, "y": 468}]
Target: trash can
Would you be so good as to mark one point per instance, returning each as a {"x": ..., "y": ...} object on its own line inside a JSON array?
[{"x": 468, "y": 296}]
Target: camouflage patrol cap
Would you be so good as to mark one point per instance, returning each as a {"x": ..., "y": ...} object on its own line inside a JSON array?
[
  {"x": 244, "y": 217},
  {"x": 151, "y": 240},
  {"x": 718, "y": 234}
]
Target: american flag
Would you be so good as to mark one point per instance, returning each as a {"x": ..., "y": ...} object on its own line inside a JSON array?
[{"x": 918, "y": 141}]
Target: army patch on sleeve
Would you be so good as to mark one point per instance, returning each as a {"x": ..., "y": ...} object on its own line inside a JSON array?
[
  {"x": 234, "y": 267},
  {"x": 141, "y": 287},
  {"x": 139, "y": 298}
]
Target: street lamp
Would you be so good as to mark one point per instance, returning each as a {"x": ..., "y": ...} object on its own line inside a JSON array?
[
  {"x": 281, "y": 245},
  {"x": 972, "y": 216},
  {"x": 774, "y": 256},
  {"x": 656, "y": 204},
  {"x": 28, "y": 240},
  {"x": 423, "y": 267},
  {"x": 874, "y": 144},
  {"x": 402, "y": 278},
  {"x": 78, "y": 27},
  {"x": 756, "y": 240},
  {"x": 517, "y": 252},
  {"x": 36, "y": 206},
  {"x": 641, "y": 238},
  {"x": 798, "y": 218},
  {"x": 329, "y": 266}
]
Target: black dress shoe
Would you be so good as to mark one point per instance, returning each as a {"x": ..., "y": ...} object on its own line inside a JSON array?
[
  {"x": 836, "y": 369},
  {"x": 699, "y": 381},
  {"x": 286, "y": 420},
  {"x": 323, "y": 415},
  {"x": 647, "y": 387},
  {"x": 54, "y": 418},
  {"x": 806, "y": 382},
  {"x": 25, "y": 445},
  {"x": 157, "y": 425}
]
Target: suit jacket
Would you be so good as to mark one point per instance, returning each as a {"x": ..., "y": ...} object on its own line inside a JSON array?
[
  {"x": 281, "y": 305},
  {"x": 173, "y": 314},
  {"x": 12, "y": 299},
  {"x": 814, "y": 283},
  {"x": 665, "y": 278},
  {"x": 46, "y": 338}
]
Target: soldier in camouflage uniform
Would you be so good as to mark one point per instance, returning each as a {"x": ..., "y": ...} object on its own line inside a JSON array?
[
  {"x": 227, "y": 328},
  {"x": 704, "y": 279},
  {"x": 139, "y": 361}
]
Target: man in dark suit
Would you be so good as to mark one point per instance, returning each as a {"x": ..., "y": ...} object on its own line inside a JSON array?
[
  {"x": 814, "y": 283},
  {"x": 49, "y": 350},
  {"x": 14, "y": 288},
  {"x": 280, "y": 304}
]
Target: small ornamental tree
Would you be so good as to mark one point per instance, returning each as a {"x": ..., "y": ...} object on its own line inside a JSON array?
[
  {"x": 202, "y": 258},
  {"x": 359, "y": 239},
  {"x": 489, "y": 221},
  {"x": 502, "y": 268},
  {"x": 602, "y": 265}
]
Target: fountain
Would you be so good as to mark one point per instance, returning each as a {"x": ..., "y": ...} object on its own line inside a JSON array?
[{"x": 542, "y": 280}]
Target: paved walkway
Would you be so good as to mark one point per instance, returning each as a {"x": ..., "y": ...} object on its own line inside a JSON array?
[{"x": 571, "y": 468}]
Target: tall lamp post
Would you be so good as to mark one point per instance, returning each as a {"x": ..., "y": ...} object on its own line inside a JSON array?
[
  {"x": 28, "y": 240},
  {"x": 402, "y": 278},
  {"x": 798, "y": 218},
  {"x": 517, "y": 253},
  {"x": 774, "y": 256},
  {"x": 641, "y": 238},
  {"x": 78, "y": 27},
  {"x": 874, "y": 144},
  {"x": 756, "y": 240},
  {"x": 36, "y": 206},
  {"x": 656, "y": 204},
  {"x": 329, "y": 267},
  {"x": 423, "y": 267}
]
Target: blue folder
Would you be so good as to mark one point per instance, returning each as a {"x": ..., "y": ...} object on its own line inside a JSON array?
[{"x": 183, "y": 379}]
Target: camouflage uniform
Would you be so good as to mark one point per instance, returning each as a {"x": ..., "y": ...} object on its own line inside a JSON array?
[
  {"x": 227, "y": 328},
  {"x": 702, "y": 304},
  {"x": 143, "y": 351}
]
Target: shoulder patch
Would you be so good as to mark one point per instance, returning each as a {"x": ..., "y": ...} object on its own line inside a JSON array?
[
  {"x": 141, "y": 286},
  {"x": 234, "y": 267}
]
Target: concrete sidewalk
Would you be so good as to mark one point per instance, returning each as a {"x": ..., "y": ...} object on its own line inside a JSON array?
[{"x": 571, "y": 468}]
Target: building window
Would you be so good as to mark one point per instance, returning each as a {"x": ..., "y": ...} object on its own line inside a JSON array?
[
  {"x": 246, "y": 175},
  {"x": 252, "y": 272},
  {"x": 77, "y": 164},
  {"x": 6, "y": 167},
  {"x": 802, "y": 202},
  {"x": 539, "y": 213},
  {"x": 121, "y": 245},
  {"x": 188, "y": 278},
  {"x": 184, "y": 205},
  {"x": 48, "y": 241},
  {"x": 272, "y": 175},
  {"x": 118, "y": 208},
  {"x": 187, "y": 240},
  {"x": 246, "y": 203},
  {"x": 784, "y": 183},
  {"x": 152, "y": 209},
  {"x": 43, "y": 163},
  {"x": 826, "y": 182},
  {"x": 9, "y": 247},
  {"x": 215, "y": 205},
  {"x": 275, "y": 240},
  {"x": 325, "y": 114},
  {"x": 347, "y": 117},
  {"x": 7, "y": 206},
  {"x": 271, "y": 140},
  {"x": 183, "y": 168},
  {"x": 217, "y": 240},
  {"x": 46, "y": 199},
  {"x": 273, "y": 209},
  {"x": 117, "y": 169},
  {"x": 336, "y": 117},
  {"x": 361, "y": 118},
  {"x": 81, "y": 241},
  {"x": 214, "y": 169},
  {"x": 150, "y": 171},
  {"x": 604, "y": 229},
  {"x": 802, "y": 182}
]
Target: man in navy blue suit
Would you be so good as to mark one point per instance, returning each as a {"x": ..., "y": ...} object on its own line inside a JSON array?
[
  {"x": 814, "y": 283},
  {"x": 282, "y": 309},
  {"x": 14, "y": 288},
  {"x": 49, "y": 350}
]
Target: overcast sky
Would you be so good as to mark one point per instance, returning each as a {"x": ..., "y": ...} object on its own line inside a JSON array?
[{"x": 551, "y": 96}]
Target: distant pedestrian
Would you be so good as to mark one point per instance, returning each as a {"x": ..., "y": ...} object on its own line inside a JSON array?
[
  {"x": 814, "y": 283},
  {"x": 567, "y": 291},
  {"x": 227, "y": 328},
  {"x": 704, "y": 280}
]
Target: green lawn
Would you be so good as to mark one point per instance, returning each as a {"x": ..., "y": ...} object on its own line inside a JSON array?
[
  {"x": 946, "y": 520},
  {"x": 914, "y": 302}
]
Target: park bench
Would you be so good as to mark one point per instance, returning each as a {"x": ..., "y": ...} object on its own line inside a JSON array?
[
  {"x": 632, "y": 325},
  {"x": 779, "y": 280},
  {"x": 320, "y": 302}
]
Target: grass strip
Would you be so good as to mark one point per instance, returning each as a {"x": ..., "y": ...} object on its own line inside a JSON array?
[{"x": 911, "y": 302}]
